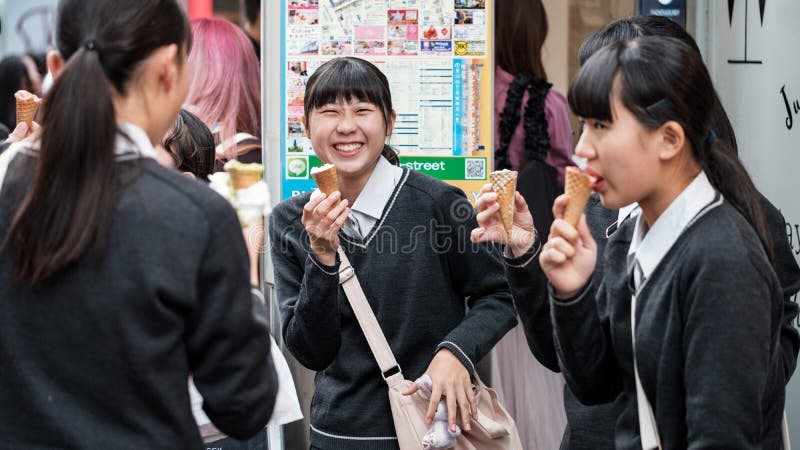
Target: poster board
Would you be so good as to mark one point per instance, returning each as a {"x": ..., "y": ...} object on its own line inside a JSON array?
[
  {"x": 437, "y": 55},
  {"x": 752, "y": 56}
]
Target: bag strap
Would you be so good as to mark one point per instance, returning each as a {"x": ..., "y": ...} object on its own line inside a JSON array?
[{"x": 367, "y": 320}]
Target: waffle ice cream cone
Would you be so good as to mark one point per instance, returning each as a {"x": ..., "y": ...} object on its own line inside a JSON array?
[
  {"x": 326, "y": 179},
  {"x": 578, "y": 186},
  {"x": 244, "y": 175},
  {"x": 504, "y": 183},
  {"x": 27, "y": 104}
]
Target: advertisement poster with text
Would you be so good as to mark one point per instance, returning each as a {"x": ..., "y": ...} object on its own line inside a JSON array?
[{"x": 436, "y": 55}]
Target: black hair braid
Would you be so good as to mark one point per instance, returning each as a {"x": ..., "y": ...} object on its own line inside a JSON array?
[
  {"x": 537, "y": 140},
  {"x": 509, "y": 119}
]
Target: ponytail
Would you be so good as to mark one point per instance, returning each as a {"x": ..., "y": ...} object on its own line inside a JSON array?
[
  {"x": 727, "y": 174},
  {"x": 72, "y": 194},
  {"x": 69, "y": 204},
  {"x": 390, "y": 154}
]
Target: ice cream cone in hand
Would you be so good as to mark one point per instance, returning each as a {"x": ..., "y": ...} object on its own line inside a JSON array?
[
  {"x": 27, "y": 104},
  {"x": 578, "y": 186},
  {"x": 244, "y": 175},
  {"x": 326, "y": 179},
  {"x": 504, "y": 184}
]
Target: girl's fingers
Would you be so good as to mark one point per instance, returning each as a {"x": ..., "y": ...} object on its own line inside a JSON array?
[
  {"x": 485, "y": 201},
  {"x": 452, "y": 408},
  {"x": 560, "y": 245},
  {"x": 326, "y": 205},
  {"x": 562, "y": 228},
  {"x": 559, "y": 205},
  {"x": 477, "y": 235},
  {"x": 436, "y": 395},
  {"x": 465, "y": 407},
  {"x": 489, "y": 215},
  {"x": 411, "y": 389},
  {"x": 473, "y": 404},
  {"x": 520, "y": 205}
]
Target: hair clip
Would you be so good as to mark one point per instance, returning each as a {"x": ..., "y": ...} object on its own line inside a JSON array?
[{"x": 656, "y": 105}]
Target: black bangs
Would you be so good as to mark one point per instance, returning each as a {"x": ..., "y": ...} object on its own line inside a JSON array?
[
  {"x": 589, "y": 94},
  {"x": 347, "y": 79}
]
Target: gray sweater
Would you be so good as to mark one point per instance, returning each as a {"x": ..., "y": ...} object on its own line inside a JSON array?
[
  {"x": 707, "y": 340},
  {"x": 99, "y": 358},
  {"x": 416, "y": 267}
]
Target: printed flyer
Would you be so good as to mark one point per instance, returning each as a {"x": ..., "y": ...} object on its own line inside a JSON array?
[{"x": 436, "y": 55}]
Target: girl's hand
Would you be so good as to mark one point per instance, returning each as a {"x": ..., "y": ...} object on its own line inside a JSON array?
[
  {"x": 523, "y": 234},
  {"x": 568, "y": 258},
  {"x": 323, "y": 219},
  {"x": 451, "y": 379},
  {"x": 254, "y": 238},
  {"x": 22, "y": 132}
]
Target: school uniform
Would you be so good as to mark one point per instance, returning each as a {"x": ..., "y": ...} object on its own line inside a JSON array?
[
  {"x": 591, "y": 427},
  {"x": 708, "y": 315},
  {"x": 408, "y": 241},
  {"x": 99, "y": 356}
]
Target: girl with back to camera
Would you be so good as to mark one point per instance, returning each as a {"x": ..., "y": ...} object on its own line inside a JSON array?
[
  {"x": 406, "y": 235},
  {"x": 103, "y": 322},
  {"x": 691, "y": 275}
]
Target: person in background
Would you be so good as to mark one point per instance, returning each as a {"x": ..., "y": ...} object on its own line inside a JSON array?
[
  {"x": 188, "y": 147},
  {"x": 103, "y": 322},
  {"x": 225, "y": 89},
  {"x": 533, "y": 136},
  {"x": 251, "y": 15},
  {"x": 591, "y": 427},
  {"x": 14, "y": 76},
  {"x": 442, "y": 308}
]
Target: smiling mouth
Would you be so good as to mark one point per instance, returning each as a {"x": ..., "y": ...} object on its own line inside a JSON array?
[{"x": 348, "y": 148}]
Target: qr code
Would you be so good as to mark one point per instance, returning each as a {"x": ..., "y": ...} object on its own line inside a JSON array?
[{"x": 475, "y": 169}]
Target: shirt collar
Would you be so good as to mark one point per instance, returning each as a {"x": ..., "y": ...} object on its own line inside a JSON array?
[
  {"x": 133, "y": 139},
  {"x": 648, "y": 247},
  {"x": 631, "y": 210},
  {"x": 376, "y": 193}
]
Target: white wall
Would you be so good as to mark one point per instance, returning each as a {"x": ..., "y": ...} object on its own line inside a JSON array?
[
  {"x": 752, "y": 96},
  {"x": 556, "y": 48}
]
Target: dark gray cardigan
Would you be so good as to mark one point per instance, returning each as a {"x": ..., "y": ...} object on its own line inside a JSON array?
[
  {"x": 707, "y": 344},
  {"x": 99, "y": 358},
  {"x": 591, "y": 427},
  {"x": 416, "y": 267}
]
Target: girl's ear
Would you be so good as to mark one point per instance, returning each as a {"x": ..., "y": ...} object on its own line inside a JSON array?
[
  {"x": 305, "y": 125},
  {"x": 672, "y": 140},
  {"x": 54, "y": 63},
  {"x": 189, "y": 175},
  {"x": 390, "y": 128}
]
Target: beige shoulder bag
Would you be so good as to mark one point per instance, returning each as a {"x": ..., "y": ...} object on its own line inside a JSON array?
[{"x": 493, "y": 430}]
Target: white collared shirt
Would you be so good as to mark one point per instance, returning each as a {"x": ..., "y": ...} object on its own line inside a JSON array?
[
  {"x": 139, "y": 142},
  {"x": 648, "y": 247},
  {"x": 625, "y": 212},
  {"x": 368, "y": 207}
]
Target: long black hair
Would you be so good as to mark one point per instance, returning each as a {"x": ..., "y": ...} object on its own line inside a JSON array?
[
  {"x": 647, "y": 25},
  {"x": 662, "y": 79},
  {"x": 346, "y": 79},
  {"x": 73, "y": 191}
]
